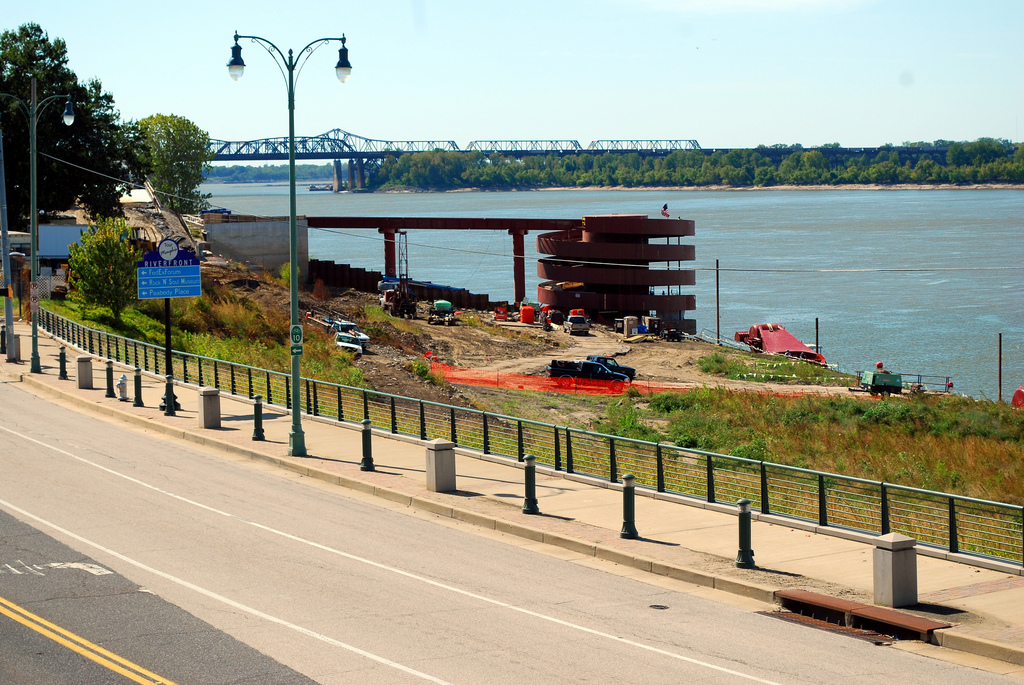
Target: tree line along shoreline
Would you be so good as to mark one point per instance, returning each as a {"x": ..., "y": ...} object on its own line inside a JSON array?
[{"x": 986, "y": 161}]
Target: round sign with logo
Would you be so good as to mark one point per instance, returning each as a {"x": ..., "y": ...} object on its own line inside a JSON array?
[
  {"x": 296, "y": 336},
  {"x": 168, "y": 249}
]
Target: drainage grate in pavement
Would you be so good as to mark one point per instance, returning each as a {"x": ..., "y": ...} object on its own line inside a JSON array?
[{"x": 859, "y": 633}]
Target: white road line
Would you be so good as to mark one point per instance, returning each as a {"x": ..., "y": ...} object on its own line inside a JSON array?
[
  {"x": 221, "y": 598},
  {"x": 352, "y": 557}
]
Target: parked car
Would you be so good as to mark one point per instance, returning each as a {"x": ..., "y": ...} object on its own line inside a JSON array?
[
  {"x": 352, "y": 329},
  {"x": 576, "y": 324},
  {"x": 349, "y": 342}
]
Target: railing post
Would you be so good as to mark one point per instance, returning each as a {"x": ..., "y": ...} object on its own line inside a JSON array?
[
  {"x": 316, "y": 401},
  {"x": 520, "y": 448},
  {"x": 530, "y": 479},
  {"x": 954, "y": 538},
  {"x": 270, "y": 395},
  {"x": 613, "y": 467},
  {"x": 257, "y": 419},
  {"x": 145, "y": 357},
  {"x": 234, "y": 388},
  {"x": 628, "y": 509},
  {"x": 568, "y": 450},
  {"x": 309, "y": 407},
  {"x": 367, "y": 462},
  {"x": 394, "y": 417},
  {"x": 558, "y": 449},
  {"x": 487, "y": 436},
  {"x": 248, "y": 372},
  {"x": 138, "y": 388},
  {"x": 287, "y": 395},
  {"x": 885, "y": 510},
  {"x": 764, "y": 489},
  {"x": 659, "y": 463},
  {"x": 822, "y": 501},
  {"x": 216, "y": 374},
  {"x": 366, "y": 405},
  {"x": 710, "y": 478},
  {"x": 184, "y": 369},
  {"x": 455, "y": 433},
  {"x": 341, "y": 408},
  {"x": 423, "y": 422}
]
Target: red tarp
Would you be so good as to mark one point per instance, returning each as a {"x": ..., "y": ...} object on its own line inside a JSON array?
[{"x": 774, "y": 339}]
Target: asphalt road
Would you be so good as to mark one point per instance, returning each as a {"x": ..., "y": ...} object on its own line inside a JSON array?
[{"x": 341, "y": 589}]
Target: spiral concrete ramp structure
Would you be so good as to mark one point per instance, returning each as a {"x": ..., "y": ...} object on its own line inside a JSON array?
[{"x": 620, "y": 265}]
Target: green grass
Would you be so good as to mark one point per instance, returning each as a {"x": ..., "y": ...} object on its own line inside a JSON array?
[
  {"x": 221, "y": 326},
  {"x": 759, "y": 368}
]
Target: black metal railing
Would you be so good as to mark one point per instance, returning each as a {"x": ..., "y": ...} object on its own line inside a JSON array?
[{"x": 951, "y": 522}]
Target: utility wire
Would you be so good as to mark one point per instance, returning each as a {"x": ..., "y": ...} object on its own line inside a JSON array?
[{"x": 586, "y": 262}]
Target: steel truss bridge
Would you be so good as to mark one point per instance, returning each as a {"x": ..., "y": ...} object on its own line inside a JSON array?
[{"x": 340, "y": 144}]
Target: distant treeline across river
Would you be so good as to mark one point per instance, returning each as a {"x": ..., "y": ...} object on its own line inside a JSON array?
[{"x": 984, "y": 161}]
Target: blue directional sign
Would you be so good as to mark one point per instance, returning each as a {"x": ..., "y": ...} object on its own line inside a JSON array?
[{"x": 168, "y": 272}]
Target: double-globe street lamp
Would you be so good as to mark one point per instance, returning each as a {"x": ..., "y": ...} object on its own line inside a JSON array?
[
  {"x": 32, "y": 109},
  {"x": 293, "y": 65}
]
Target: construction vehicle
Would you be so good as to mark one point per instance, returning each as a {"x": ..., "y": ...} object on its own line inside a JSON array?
[
  {"x": 442, "y": 313},
  {"x": 879, "y": 382},
  {"x": 396, "y": 298}
]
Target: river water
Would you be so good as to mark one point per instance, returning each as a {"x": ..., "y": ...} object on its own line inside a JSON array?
[{"x": 923, "y": 280}]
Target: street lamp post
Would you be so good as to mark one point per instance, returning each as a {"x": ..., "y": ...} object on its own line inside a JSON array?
[
  {"x": 32, "y": 110},
  {"x": 293, "y": 65}
]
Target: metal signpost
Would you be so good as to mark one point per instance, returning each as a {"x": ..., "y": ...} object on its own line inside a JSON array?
[{"x": 168, "y": 272}]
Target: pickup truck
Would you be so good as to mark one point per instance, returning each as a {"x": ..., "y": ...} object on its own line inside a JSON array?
[
  {"x": 576, "y": 324},
  {"x": 565, "y": 371},
  {"x": 612, "y": 365}
]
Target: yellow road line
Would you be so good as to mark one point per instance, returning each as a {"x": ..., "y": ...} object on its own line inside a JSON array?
[{"x": 80, "y": 645}]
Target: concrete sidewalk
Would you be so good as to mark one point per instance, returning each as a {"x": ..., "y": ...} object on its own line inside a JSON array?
[{"x": 680, "y": 538}]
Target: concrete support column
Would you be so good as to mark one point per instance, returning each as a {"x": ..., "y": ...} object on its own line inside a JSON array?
[
  {"x": 895, "y": 570},
  {"x": 351, "y": 176},
  {"x": 518, "y": 263},
  {"x": 336, "y": 187},
  {"x": 389, "y": 251},
  {"x": 360, "y": 175}
]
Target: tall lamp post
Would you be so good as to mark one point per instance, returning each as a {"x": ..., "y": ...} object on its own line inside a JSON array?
[
  {"x": 293, "y": 65},
  {"x": 32, "y": 109}
]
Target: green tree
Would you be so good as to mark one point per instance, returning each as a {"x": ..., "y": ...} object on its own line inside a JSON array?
[
  {"x": 176, "y": 150},
  {"x": 103, "y": 267},
  {"x": 92, "y": 161}
]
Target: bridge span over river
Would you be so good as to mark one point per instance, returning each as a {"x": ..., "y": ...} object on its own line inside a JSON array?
[{"x": 368, "y": 153}]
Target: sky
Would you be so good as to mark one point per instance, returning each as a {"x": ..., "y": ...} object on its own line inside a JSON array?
[{"x": 726, "y": 73}]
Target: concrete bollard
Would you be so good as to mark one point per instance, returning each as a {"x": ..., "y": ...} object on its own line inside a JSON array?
[
  {"x": 209, "y": 408},
  {"x": 441, "y": 466},
  {"x": 530, "y": 478},
  {"x": 257, "y": 419},
  {"x": 745, "y": 556},
  {"x": 629, "y": 508},
  {"x": 84, "y": 371},
  {"x": 895, "y": 570},
  {"x": 367, "y": 462}
]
